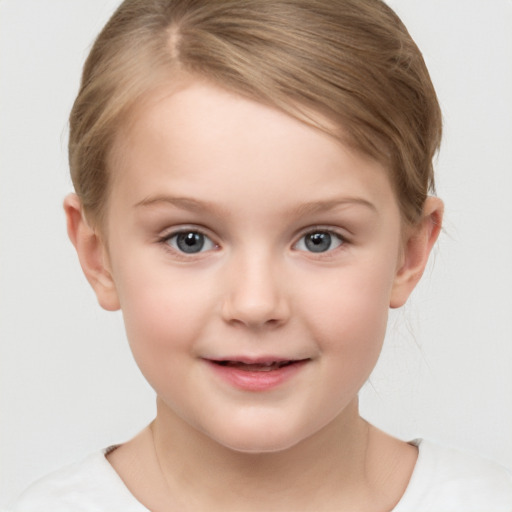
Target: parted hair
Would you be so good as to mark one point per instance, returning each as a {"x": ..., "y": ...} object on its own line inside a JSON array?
[{"x": 351, "y": 62}]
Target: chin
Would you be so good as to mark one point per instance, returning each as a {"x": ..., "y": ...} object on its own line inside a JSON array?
[
  {"x": 259, "y": 439},
  {"x": 260, "y": 446}
]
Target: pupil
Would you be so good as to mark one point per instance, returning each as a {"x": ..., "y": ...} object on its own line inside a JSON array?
[
  {"x": 190, "y": 242},
  {"x": 318, "y": 242}
]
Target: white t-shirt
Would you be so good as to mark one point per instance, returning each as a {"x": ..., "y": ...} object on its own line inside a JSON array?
[{"x": 444, "y": 480}]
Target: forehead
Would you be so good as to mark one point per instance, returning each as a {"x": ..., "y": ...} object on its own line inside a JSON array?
[{"x": 201, "y": 140}]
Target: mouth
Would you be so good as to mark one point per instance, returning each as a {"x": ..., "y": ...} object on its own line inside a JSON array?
[
  {"x": 267, "y": 366},
  {"x": 257, "y": 374}
]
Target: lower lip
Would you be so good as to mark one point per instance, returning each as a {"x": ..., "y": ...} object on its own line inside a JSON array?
[{"x": 257, "y": 380}]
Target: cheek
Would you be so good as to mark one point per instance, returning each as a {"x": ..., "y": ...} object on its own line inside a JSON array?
[
  {"x": 349, "y": 331},
  {"x": 348, "y": 313},
  {"x": 163, "y": 314}
]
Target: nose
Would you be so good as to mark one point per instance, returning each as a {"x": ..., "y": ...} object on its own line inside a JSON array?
[{"x": 255, "y": 294}]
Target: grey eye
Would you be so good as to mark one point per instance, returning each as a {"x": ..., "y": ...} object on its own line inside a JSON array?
[
  {"x": 190, "y": 242},
  {"x": 319, "y": 241}
]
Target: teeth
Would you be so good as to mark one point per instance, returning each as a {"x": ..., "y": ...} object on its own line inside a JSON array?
[{"x": 257, "y": 367}]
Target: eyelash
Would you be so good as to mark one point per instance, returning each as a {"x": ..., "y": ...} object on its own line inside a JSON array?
[
  {"x": 166, "y": 239},
  {"x": 334, "y": 237}
]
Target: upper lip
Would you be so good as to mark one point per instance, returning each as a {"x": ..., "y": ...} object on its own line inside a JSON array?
[{"x": 256, "y": 360}]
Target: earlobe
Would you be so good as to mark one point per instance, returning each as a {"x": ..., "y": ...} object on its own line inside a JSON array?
[
  {"x": 417, "y": 249},
  {"x": 91, "y": 253}
]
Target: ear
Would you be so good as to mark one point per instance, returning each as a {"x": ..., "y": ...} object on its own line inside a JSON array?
[
  {"x": 417, "y": 246},
  {"x": 92, "y": 253}
]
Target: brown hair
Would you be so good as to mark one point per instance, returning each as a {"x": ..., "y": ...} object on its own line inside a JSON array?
[{"x": 352, "y": 61}]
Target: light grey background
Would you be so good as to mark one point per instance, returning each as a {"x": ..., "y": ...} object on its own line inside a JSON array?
[{"x": 68, "y": 384}]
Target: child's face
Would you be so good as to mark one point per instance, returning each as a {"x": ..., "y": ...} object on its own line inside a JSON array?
[{"x": 237, "y": 234}]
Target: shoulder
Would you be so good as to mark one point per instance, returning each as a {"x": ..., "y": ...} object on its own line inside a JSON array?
[
  {"x": 449, "y": 480},
  {"x": 86, "y": 486}
]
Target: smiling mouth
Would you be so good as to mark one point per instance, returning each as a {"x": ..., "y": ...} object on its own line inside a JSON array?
[
  {"x": 257, "y": 375},
  {"x": 258, "y": 367}
]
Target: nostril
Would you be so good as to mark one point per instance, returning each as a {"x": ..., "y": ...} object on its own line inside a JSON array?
[
  {"x": 253, "y": 323},
  {"x": 251, "y": 314},
  {"x": 255, "y": 297}
]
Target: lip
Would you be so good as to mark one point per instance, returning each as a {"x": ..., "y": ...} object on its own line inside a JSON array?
[{"x": 273, "y": 372}]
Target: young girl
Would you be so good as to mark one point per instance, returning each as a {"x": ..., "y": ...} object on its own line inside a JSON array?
[{"x": 252, "y": 183}]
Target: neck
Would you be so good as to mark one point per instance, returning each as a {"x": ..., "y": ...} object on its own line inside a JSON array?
[{"x": 332, "y": 462}]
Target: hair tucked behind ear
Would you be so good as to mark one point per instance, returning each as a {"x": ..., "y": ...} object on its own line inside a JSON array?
[{"x": 352, "y": 61}]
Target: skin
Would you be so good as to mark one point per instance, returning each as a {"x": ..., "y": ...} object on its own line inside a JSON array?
[{"x": 256, "y": 183}]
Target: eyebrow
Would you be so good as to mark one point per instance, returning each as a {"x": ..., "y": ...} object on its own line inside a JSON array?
[
  {"x": 184, "y": 203},
  {"x": 310, "y": 208},
  {"x": 330, "y": 204}
]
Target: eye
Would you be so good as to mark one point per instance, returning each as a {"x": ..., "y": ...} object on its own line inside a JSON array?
[
  {"x": 190, "y": 242},
  {"x": 319, "y": 241}
]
